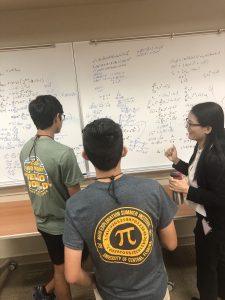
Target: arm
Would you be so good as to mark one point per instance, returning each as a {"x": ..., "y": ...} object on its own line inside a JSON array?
[
  {"x": 74, "y": 246},
  {"x": 73, "y": 189},
  {"x": 211, "y": 190},
  {"x": 178, "y": 164},
  {"x": 181, "y": 166},
  {"x": 210, "y": 198},
  {"x": 165, "y": 228},
  {"x": 71, "y": 174},
  {"x": 73, "y": 270},
  {"x": 179, "y": 185},
  {"x": 168, "y": 237},
  {"x": 211, "y": 195}
]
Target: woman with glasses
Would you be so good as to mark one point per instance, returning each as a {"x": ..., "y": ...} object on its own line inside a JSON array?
[{"x": 205, "y": 189}]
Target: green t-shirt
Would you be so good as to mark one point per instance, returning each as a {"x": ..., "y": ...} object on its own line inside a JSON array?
[{"x": 47, "y": 177}]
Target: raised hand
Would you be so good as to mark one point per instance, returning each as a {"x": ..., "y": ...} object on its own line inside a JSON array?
[{"x": 171, "y": 154}]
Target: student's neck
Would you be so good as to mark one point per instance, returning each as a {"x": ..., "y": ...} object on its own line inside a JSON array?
[
  {"x": 48, "y": 133},
  {"x": 104, "y": 176},
  {"x": 201, "y": 144}
]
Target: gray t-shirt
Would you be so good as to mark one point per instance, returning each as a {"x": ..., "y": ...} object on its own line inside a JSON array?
[
  {"x": 47, "y": 177},
  {"x": 122, "y": 238}
]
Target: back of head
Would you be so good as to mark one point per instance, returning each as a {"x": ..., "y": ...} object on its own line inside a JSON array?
[
  {"x": 43, "y": 110},
  {"x": 210, "y": 114},
  {"x": 103, "y": 143}
]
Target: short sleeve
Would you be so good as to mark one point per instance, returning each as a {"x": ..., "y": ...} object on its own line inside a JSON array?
[
  {"x": 71, "y": 237},
  {"x": 71, "y": 173},
  {"x": 168, "y": 209}
]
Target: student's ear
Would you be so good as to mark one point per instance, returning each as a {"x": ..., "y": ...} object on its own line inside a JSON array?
[
  {"x": 208, "y": 129},
  {"x": 57, "y": 117},
  {"x": 124, "y": 152},
  {"x": 84, "y": 155}
]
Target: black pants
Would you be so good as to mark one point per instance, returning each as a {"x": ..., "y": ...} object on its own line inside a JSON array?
[{"x": 210, "y": 260}]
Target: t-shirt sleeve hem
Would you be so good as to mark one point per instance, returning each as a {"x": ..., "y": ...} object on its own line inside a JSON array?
[
  {"x": 70, "y": 246},
  {"x": 78, "y": 180},
  {"x": 166, "y": 224}
]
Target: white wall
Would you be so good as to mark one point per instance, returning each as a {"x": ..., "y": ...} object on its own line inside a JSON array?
[{"x": 119, "y": 19}]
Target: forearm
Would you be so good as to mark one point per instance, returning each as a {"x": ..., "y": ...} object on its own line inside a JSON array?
[
  {"x": 168, "y": 237},
  {"x": 181, "y": 166},
  {"x": 85, "y": 279},
  {"x": 73, "y": 189},
  {"x": 202, "y": 196}
]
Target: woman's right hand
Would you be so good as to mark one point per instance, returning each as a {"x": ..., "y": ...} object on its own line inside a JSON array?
[{"x": 171, "y": 154}]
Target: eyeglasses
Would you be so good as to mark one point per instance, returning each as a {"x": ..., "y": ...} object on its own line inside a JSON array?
[
  {"x": 188, "y": 124},
  {"x": 63, "y": 116}
]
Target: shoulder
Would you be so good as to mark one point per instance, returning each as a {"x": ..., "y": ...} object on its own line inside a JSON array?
[
  {"x": 213, "y": 167},
  {"x": 147, "y": 182},
  {"x": 84, "y": 194},
  {"x": 153, "y": 190},
  {"x": 60, "y": 146},
  {"x": 26, "y": 147},
  {"x": 143, "y": 186},
  {"x": 79, "y": 203},
  {"x": 212, "y": 158},
  {"x": 28, "y": 143},
  {"x": 62, "y": 150}
]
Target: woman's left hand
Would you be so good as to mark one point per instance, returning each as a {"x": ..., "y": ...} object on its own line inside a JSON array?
[{"x": 179, "y": 185}]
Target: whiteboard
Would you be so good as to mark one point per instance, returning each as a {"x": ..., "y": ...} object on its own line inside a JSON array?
[
  {"x": 148, "y": 87},
  {"x": 25, "y": 74}
]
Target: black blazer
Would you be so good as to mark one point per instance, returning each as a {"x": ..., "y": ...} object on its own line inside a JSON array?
[{"x": 211, "y": 188}]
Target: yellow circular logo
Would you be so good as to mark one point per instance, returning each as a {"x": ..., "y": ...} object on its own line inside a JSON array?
[{"x": 124, "y": 235}]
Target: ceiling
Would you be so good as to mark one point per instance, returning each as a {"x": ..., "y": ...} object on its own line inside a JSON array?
[{"x": 9, "y": 5}]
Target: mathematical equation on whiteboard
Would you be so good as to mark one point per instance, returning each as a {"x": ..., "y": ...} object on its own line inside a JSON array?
[
  {"x": 16, "y": 125},
  {"x": 150, "y": 101}
]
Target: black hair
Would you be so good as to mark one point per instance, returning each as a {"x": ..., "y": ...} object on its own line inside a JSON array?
[
  {"x": 103, "y": 143},
  {"x": 211, "y": 114},
  {"x": 44, "y": 109}
]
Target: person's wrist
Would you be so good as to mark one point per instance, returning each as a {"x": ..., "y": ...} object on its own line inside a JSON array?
[
  {"x": 186, "y": 192},
  {"x": 175, "y": 161}
]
